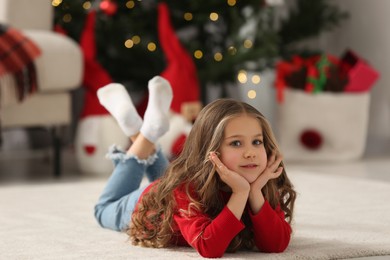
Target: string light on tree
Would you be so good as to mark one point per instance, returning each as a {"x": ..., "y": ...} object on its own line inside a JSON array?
[
  {"x": 130, "y": 4},
  {"x": 242, "y": 76},
  {"x": 87, "y": 5},
  {"x": 198, "y": 54},
  {"x": 136, "y": 39},
  {"x": 152, "y": 46},
  {"x": 252, "y": 94},
  {"x": 232, "y": 50},
  {"x": 129, "y": 43},
  {"x": 56, "y": 3},
  {"x": 214, "y": 16},
  {"x": 218, "y": 56},
  {"x": 248, "y": 44},
  {"x": 67, "y": 18},
  {"x": 231, "y": 2},
  {"x": 188, "y": 16},
  {"x": 256, "y": 79}
]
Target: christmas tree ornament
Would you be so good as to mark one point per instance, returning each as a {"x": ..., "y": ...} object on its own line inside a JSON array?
[{"x": 109, "y": 7}]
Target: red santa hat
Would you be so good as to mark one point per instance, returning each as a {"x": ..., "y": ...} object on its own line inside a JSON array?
[
  {"x": 95, "y": 76},
  {"x": 180, "y": 71}
]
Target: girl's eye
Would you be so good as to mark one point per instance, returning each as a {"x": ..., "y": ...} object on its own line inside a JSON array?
[
  {"x": 257, "y": 142},
  {"x": 235, "y": 143}
]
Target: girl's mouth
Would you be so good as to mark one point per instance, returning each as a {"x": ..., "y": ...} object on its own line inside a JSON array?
[{"x": 249, "y": 166}]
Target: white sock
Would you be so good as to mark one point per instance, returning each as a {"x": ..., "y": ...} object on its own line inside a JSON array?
[
  {"x": 117, "y": 101},
  {"x": 156, "y": 118}
]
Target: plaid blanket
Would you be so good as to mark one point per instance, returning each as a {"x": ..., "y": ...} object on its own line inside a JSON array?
[{"x": 17, "y": 70}]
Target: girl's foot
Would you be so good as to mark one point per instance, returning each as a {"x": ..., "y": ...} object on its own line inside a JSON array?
[
  {"x": 156, "y": 119},
  {"x": 116, "y": 100}
]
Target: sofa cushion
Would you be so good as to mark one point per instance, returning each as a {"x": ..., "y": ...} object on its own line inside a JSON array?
[
  {"x": 60, "y": 66},
  {"x": 38, "y": 109},
  {"x": 27, "y": 14}
]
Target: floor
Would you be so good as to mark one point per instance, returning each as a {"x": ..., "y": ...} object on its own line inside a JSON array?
[
  {"x": 370, "y": 168},
  {"x": 29, "y": 166},
  {"x": 32, "y": 166}
]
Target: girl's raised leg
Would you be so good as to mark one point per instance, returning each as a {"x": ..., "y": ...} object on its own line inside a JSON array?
[{"x": 122, "y": 191}]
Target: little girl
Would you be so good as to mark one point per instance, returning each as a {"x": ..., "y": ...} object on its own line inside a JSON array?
[{"x": 227, "y": 191}]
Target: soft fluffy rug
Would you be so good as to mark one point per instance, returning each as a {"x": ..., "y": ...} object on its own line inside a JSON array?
[{"x": 336, "y": 217}]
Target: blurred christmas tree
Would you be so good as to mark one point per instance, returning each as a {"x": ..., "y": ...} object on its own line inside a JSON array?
[{"x": 223, "y": 37}]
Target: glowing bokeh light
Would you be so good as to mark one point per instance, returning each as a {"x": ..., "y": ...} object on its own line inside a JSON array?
[
  {"x": 213, "y": 16},
  {"x": 218, "y": 56},
  {"x": 231, "y": 2},
  {"x": 129, "y": 43},
  {"x": 232, "y": 50},
  {"x": 136, "y": 39},
  {"x": 256, "y": 79},
  {"x": 56, "y": 3},
  {"x": 67, "y": 18},
  {"x": 248, "y": 44},
  {"x": 130, "y": 4},
  {"x": 242, "y": 78},
  {"x": 188, "y": 16},
  {"x": 151, "y": 46},
  {"x": 198, "y": 54},
  {"x": 251, "y": 94},
  {"x": 87, "y": 5}
]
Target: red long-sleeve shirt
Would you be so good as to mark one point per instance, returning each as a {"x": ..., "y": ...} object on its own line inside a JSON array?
[{"x": 211, "y": 237}]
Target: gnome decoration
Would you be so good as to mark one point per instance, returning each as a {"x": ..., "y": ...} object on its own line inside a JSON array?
[
  {"x": 181, "y": 74},
  {"x": 97, "y": 129}
]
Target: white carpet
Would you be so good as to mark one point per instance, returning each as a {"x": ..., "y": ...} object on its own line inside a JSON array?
[{"x": 336, "y": 217}]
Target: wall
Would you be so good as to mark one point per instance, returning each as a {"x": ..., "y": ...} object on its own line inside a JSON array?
[{"x": 366, "y": 32}]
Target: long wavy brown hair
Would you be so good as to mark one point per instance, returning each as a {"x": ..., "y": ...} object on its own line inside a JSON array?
[{"x": 152, "y": 223}]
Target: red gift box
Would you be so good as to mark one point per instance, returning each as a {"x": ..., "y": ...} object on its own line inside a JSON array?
[{"x": 361, "y": 76}]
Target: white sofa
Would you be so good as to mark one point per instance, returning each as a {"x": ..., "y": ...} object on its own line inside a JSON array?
[{"x": 59, "y": 70}]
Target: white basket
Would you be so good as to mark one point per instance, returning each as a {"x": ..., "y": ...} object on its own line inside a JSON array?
[{"x": 341, "y": 119}]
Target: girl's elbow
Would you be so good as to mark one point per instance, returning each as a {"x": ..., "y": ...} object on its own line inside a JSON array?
[
  {"x": 209, "y": 249},
  {"x": 280, "y": 248},
  {"x": 276, "y": 248},
  {"x": 210, "y": 254}
]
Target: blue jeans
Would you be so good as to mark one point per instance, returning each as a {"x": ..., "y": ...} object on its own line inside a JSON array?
[{"x": 122, "y": 191}]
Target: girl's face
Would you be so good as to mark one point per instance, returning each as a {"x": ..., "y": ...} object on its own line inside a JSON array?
[{"x": 242, "y": 149}]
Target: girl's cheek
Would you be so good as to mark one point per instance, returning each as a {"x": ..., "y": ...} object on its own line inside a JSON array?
[
  {"x": 229, "y": 160},
  {"x": 223, "y": 158}
]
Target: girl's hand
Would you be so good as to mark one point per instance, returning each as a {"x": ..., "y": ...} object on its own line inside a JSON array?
[
  {"x": 272, "y": 171},
  {"x": 239, "y": 185},
  {"x": 235, "y": 181}
]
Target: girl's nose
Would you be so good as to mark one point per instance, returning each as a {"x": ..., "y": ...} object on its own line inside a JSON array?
[{"x": 249, "y": 153}]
